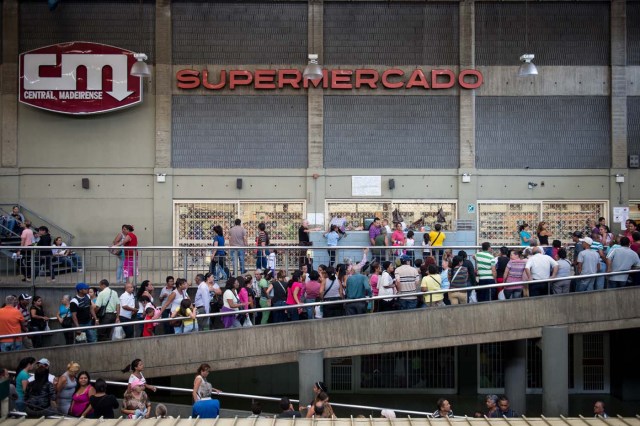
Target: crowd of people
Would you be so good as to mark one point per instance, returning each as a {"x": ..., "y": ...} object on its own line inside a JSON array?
[
  {"x": 397, "y": 273},
  {"x": 36, "y": 392}
]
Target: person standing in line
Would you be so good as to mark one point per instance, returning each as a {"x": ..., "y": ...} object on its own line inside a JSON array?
[
  {"x": 332, "y": 237},
  {"x": 218, "y": 257},
  {"x": 27, "y": 239},
  {"x": 437, "y": 237},
  {"x": 486, "y": 272},
  {"x": 237, "y": 237},
  {"x": 525, "y": 234},
  {"x": 202, "y": 303},
  {"x": 303, "y": 241},
  {"x": 540, "y": 267},
  {"x": 407, "y": 281},
  {"x": 262, "y": 240},
  {"x": 621, "y": 259},
  {"x": 374, "y": 230},
  {"x": 588, "y": 263},
  {"x": 127, "y": 309},
  {"x": 164, "y": 294},
  {"x": 83, "y": 311},
  {"x": 107, "y": 298},
  {"x": 119, "y": 252}
]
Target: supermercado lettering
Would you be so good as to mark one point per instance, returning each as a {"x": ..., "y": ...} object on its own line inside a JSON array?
[{"x": 337, "y": 79}]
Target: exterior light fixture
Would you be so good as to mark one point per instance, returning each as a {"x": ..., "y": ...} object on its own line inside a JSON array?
[
  {"x": 527, "y": 68},
  {"x": 312, "y": 71},
  {"x": 140, "y": 68},
  {"x": 466, "y": 178}
]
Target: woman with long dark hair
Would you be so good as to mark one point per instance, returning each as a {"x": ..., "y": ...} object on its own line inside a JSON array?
[
  {"x": 38, "y": 321},
  {"x": 331, "y": 293},
  {"x": 80, "y": 401},
  {"x": 295, "y": 295},
  {"x": 218, "y": 257},
  {"x": 232, "y": 303},
  {"x": 40, "y": 395},
  {"x": 136, "y": 368},
  {"x": 22, "y": 379}
]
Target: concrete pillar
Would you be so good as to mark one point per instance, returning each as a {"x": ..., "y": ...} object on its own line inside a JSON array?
[
  {"x": 515, "y": 374},
  {"x": 9, "y": 90},
  {"x": 467, "y": 192},
  {"x": 555, "y": 371},
  {"x": 310, "y": 370}
]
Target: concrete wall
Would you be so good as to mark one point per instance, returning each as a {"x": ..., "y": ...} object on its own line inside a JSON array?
[
  {"x": 356, "y": 335},
  {"x": 44, "y": 156}
]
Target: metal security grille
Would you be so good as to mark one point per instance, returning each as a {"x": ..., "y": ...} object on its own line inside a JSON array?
[
  {"x": 341, "y": 370},
  {"x": 194, "y": 222},
  {"x": 498, "y": 222},
  {"x": 491, "y": 366},
  {"x": 564, "y": 218},
  {"x": 423, "y": 369},
  {"x": 411, "y": 211},
  {"x": 593, "y": 362}
]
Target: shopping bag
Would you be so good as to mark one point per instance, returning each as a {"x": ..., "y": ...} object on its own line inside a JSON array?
[
  {"x": 473, "y": 298},
  {"x": 118, "y": 333}
]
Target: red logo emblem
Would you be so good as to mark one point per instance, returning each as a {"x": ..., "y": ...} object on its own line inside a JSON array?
[{"x": 79, "y": 78}]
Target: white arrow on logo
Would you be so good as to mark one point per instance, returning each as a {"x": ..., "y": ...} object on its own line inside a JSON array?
[{"x": 70, "y": 64}]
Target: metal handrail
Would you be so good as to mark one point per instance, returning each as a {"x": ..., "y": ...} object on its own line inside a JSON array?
[
  {"x": 49, "y": 222},
  {"x": 324, "y": 303},
  {"x": 274, "y": 399}
]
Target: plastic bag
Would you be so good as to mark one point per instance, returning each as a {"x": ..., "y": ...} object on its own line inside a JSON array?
[
  {"x": 46, "y": 327},
  {"x": 473, "y": 298},
  {"x": 81, "y": 338},
  {"x": 501, "y": 295},
  {"x": 118, "y": 333},
  {"x": 318, "y": 311}
]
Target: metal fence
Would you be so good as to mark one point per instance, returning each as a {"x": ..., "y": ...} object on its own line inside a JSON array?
[{"x": 36, "y": 265}]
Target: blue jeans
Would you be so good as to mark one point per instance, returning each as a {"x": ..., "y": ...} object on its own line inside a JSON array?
[
  {"x": 185, "y": 328},
  {"x": 92, "y": 335},
  {"x": 120, "y": 270},
  {"x": 585, "y": 284},
  {"x": 599, "y": 285},
  {"x": 616, "y": 284},
  {"x": 408, "y": 304},
  {"x": 239, "y": 256},
  {"x": 261, "y": 259},
  {"x": 280, "y": 315},
  {"x": 311, "y": 310},
  {"x": 11, "y": 346}
]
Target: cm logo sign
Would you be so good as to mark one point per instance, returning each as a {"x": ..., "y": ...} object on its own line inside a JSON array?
[{"x": 79, "y": 78}]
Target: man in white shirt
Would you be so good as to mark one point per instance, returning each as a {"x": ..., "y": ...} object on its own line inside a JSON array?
[
  {"x": 127, "y": 308},
  {"x": 202, "y": 301},
  {"x": 540, "y": 267},
  {"x": 621, "y": 259}
]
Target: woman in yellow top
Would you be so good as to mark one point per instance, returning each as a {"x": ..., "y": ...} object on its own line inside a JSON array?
[
  {"x": 185, "y": 310},
  {"x": 437, "y": 238},
  {"x": 431, "y": 282}
]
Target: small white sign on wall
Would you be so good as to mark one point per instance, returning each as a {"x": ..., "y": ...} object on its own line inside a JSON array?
[
  {"x": 366, "y": 186},
  {"x": 620, "y": 215}
]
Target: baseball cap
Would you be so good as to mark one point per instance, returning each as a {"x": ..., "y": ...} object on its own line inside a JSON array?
[
  {"x": 24, "y": 296},
  {"x": 44, "y": 361},
  {"x": 405, "y": 258},
  {"x": 81, "y": 286},
  {"x": 587, "y": 240}
]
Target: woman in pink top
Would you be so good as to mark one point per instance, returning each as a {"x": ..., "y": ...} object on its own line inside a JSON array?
[
  {"x": 294, "y": 296},
  {"x": 80, "y": 406},
  {"x": 515, "y": 272},
  {"x": 398, "y": 239},
  {"x": 246, "y": 299},
  {"x": 376, "y": 270},
  {"x": 313, "y": 291}
]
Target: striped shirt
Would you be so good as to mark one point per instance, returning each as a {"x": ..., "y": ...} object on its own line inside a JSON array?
[
  {"x": 485, "y": 261},
  {"x": 407, "y": 278}
]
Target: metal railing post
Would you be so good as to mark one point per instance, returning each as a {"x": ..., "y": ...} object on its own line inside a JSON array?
[
  {"x": 185, "y": 262},
  {"x": 135, "y": 269}
]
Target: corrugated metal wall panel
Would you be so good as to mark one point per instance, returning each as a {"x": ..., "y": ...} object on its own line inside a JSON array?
[
  {"x": 576, "y": 33},
  {"x": 114, "y": 22},
  {"x": 633, "y": 33},
  {"x": 391, "y": 33},
  {"x": 552, "y": 132},
  {"x": 258, "y": 132},
  {"x": 391, "y": 131},
  {"x": 239, "y": 33},
  {"x": 633, "y": 124}
]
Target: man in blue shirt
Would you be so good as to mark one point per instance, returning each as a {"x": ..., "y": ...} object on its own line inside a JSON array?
[
  {"x": 357, "y": 288},
  {"x": 206, "y": 408}
]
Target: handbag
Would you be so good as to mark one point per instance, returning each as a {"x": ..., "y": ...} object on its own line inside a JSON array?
[
  {"x": 102, "y": 310},
  {"x": 67, "y": 322}
]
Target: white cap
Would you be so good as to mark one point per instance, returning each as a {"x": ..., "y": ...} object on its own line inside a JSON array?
[{"x": 587, "y": 240}]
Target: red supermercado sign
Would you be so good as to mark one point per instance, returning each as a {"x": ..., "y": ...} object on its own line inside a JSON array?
[
  {"x": 338, "y": 79},
  {"x": 79, "y": 78}
]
